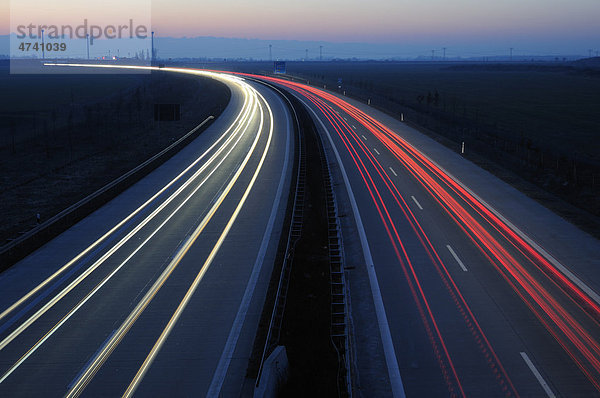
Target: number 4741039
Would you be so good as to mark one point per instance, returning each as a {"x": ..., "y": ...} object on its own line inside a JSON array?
[{"x": 26, "y": 46}]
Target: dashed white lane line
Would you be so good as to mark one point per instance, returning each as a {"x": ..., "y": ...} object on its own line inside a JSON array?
[
  {"x": 382, "y": 321},
  {"x": 537, "y": 375},
  {"x": 415, "y": 200},
  {"x": 376, "y": 151},
  {"x": 456, "y": 258},
  {"x": 345, "y": 119},
  {"x": 365, "y": 138},
  {"x": 354, "y": 127},
  {"x": 392, "y": 170}
]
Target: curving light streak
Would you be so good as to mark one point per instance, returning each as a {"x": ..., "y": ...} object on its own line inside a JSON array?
[
  {"x": 101, "y": 357},
  {"x": 578, "y": 341},
  {"x": 429, "y": 322},
  {"x": 241, "y": 123},
  {"x": 573, "y": 337},
  {"x": 239, "y": 119},
  {"x": 171, "y": 324},
  {"x": 106, "y": 279},
  {"x": 246, "y": 114}
]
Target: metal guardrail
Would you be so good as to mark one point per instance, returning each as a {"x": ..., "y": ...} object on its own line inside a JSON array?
[
  {"x": 274, "y": 329},
  {"x": 340, "y": 325},
  {"x": 36, "y": 237},
  {"x": 339, "y": 304}
]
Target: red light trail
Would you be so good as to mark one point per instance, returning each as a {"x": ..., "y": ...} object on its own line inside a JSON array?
[{"x": 568, "y": 330}]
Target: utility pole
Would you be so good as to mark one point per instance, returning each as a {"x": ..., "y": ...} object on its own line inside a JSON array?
[
  {"x": 432, "y": 55},
  {"x": 306, "y": 54},
  {"x": 270, "y": 52},
  {"x": 511, "y": 52},
  {"x": 444, "y": 48},
  {"x": 152, "y": 58},
  {"x": 87, "y": 45},
  {"x": 320, "y": 53}
]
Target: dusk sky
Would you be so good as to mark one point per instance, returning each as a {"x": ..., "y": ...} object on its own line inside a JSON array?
[{"x": 468, "y": 26}]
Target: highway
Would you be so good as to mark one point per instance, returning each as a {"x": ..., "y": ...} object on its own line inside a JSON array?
[
  {"x": 450, "y": 297},
  {"x": 459, "y": 284},
  {"x": 159, "y": 292}
]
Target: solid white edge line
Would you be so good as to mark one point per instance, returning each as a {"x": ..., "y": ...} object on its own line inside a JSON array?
[
  {"x": 40, "y": 312},
  {"x": 588, "y": 290},
  {"x": 394, "y": 172},
  {"x": 384, "y": 328},
  {"x": 216, "y": 384},
  {"x": 416, "y": 202},
  {"x": 564, "y": 270},
  {"x": 192, "y": 289},
  {"x": 98, "y": 241},
  {"x": 48, "y": 334},
  {"x": 456, "y": 258},
  {"x": 537, "y": 375},
  {"x": 98, "y": 362}
]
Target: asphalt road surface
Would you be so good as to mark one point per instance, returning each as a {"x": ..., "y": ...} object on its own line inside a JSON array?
[
  {"x": 468, "y": 296},
  {"x": 459, "y": 284},
  {"x": 158, "y": 292}
]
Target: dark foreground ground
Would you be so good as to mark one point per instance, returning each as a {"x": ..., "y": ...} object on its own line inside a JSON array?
[
  {"x": 535, "y": 125},
  {"x": 64, "y": 136}
]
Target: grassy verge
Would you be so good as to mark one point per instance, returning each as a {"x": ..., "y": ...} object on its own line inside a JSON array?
[
  {"x": 534, "y": 125},
  {"x": 59, "y": 157}
]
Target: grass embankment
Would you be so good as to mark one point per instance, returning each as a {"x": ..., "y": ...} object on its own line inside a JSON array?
[
  {"x": 535, "y": 125},
  {"x": 65, "y": 136},
  {"x": 537, "y": 120}
]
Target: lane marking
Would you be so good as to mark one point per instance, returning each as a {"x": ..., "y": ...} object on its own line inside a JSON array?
[
  {"x": 537, "y": 375},
  {"x": 194, "y": 286},
  {"x": 416, "y": 202},
  {"x": 108, "y": 277},
  {"x": 345, "y": 119},
  {"x": 363, "y": 136},
  {"x": 127, "y": 324},
  {"x": 92, "y": 358},
  {"x": 382, "y": 321},
  {"x": 394, "y": 172},
  {"x": 564, "y": 270},
  {"x": 354, "y": 127},
  {"x": 245, "y": 120},
  {"x": 55, "y": 328},
  {"x": 214, "y": 390},
  {"x": 376, "y": 151},
  {"x": 456, "y": 258},
  {"x": 91, "y": 371},
  {"x": 120, "y": 224}
]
